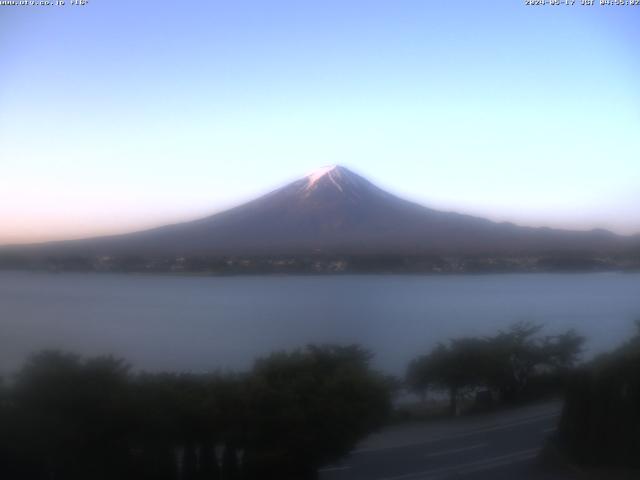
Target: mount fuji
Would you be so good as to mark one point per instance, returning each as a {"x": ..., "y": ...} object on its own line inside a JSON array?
[{"x": 336, "y": 211}]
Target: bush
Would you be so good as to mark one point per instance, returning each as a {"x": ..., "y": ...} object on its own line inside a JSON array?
[
  {"x": 509, "y": 363},
  {"x": 600, "y": 424},
  {"x": 70, "y": 418}
]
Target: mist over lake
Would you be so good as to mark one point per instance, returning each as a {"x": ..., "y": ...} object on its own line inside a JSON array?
[{"x": 206, "y": 323}]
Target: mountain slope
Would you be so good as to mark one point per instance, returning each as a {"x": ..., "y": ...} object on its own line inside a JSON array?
[{"x": 335, "y": 210}]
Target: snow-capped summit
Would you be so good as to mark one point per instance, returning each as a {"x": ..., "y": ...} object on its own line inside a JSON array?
[
  {"x": 316, "y": 175},
  {"x": 330, "y": 173},
  {"x": 335, "y": 180}
]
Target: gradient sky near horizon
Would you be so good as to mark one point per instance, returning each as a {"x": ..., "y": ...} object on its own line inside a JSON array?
[{"x": 122, "y": 115}]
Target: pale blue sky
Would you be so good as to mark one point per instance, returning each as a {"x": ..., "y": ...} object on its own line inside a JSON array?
[{"x": 122, "y": 115}]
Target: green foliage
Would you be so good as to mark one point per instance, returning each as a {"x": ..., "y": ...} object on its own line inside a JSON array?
[
  {"x": 600, "y": 424},
  {"x": 311, "y": 406},
  {"x": 505, "y": 362},
  {"x": 67, "y": 416},
  {"x": 71, "y": 418}
]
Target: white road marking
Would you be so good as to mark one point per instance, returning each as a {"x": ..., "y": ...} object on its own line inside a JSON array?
[
  {"x": 457, "y": 450},
  {"x": 486, "y": 464},
  {"x": 467, "y": 433},
  {"x": 497, "y": 462},
  {"x": 334, "y": 469}
]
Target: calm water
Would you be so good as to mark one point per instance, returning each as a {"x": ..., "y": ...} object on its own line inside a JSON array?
[{"x": 204, "y": 323}]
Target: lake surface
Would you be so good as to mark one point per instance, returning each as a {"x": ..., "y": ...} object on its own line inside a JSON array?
[{"x": 207, "y": 323}]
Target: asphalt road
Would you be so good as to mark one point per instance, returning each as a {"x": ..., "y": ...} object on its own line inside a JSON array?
[{"x": 498, "y": 446}]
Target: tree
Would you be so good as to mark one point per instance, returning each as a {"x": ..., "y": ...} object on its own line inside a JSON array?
[
  {"x": 455, "y": 366},
  {"x": 520, "y": 353},
  {"x": 310, "y": 407},
  {"x": 514, "y": 356},
  {"x": 505, "y": 362},
  {"x": 562, "y": 352},
  {"x": 600, "y": 423},
  {"x": 70, "y": 418}
]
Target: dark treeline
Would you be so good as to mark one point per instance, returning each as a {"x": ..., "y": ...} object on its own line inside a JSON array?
[
  {"x": 512, "y": 366},
  {"x": 64, "y": 417},
  {"x": 600, "y": 424},
  {"x": 327, "y": 263}
]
